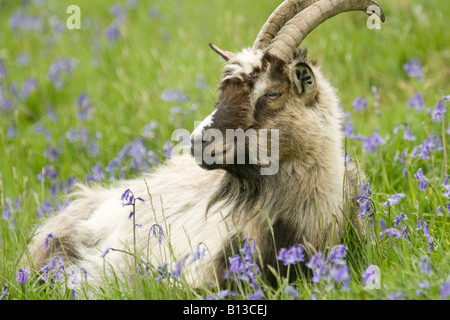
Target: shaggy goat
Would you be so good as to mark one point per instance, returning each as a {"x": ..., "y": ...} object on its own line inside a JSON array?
[{"x": 270, "y": 86}]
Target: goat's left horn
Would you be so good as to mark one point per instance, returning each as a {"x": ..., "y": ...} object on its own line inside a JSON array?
[
  {"x": 295, "y": 31},
  {"x": 282, "y": 14}
]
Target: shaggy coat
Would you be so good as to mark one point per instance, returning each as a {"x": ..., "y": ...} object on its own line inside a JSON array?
[{"x": 220, "y": 206}]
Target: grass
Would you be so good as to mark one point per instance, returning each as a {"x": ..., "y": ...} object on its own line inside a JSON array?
[{"x": 165, "y": 46}]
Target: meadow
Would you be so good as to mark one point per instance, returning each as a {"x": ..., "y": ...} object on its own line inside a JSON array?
[{"x": 100, "y": 103}]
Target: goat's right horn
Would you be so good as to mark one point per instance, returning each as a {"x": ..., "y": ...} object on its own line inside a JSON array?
[
  {"x": 295, "y": 31},
  {"x": 285, "y": 12}
]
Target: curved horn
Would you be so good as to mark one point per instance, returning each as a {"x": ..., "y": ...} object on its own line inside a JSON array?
[
  {"x": 285, "y": 12},
  {"x": 295, "y": 31}
]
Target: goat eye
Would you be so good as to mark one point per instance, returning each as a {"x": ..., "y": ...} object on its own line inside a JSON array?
[{"x": 273, "y": 95}]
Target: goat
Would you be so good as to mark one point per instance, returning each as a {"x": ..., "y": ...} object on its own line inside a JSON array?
[{"x": 272, "y": 86}]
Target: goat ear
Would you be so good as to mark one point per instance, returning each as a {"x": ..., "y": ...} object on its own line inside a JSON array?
[
  {"x": 226, "y": 55},
  {"x": 304, "y": 80}
]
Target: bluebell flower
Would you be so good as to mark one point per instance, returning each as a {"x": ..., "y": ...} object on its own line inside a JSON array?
[
  {"x": 158, "y": 234},
  {"x": 149, "y": 128},
  {"x": 392, "y": 232},
  {"x": 292, "y": 255},
  {"x": 395, "y": 296},
  {"x": 399, "y": 219},
  {"x": 360, "y": 103},
  {"x": 59, "y": 68},
  {"x": 177, "y": 96},
  {"x": 2, "y": 70},
  {"x": 168, "y": 149},
  {"x": 28, "y": 87},
  {"x": 4, "y": 291},
  {"x": 292, "y": 291},
  {"x": 96, "y": 175},
  {"x": 416, "y": 102},
  {"x": 337, "y": 254},
  {"x": 319, "y": 266},
  {"x": 23, "y": 276},
  {"x": 413, "y": 69},
  {"x": 425, "y": 266},
  {"x": 364, "y": 202},
  {"x": 84, "y": 107},
  {"x": 422, "y": 181},
  {"x": 118, "y": 11},
  {"x": 393, "y": 200},
  {"x": 371, "y": 143},
  {"x": 445, "y": 290},
  {"x": 439, "y": 112},
  {"x": 22, "y": 59},
  {"x": 162, "y": 271},
  {"x": 176, "y": 272},
  {"x": 257, "y": 295},
  {"x": 48, "y": 239},
  {"x": 408, "y": 135},
  {"x": 112, "y": 33},
  {"x": 12, "y": 132},
  {"x": 198, "y": 254},
  {"x": 104, "y": 253}
]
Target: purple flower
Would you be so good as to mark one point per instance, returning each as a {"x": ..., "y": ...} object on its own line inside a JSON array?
[
  {"x": 425, "y": 266},
  {"x": 408, "y": 135},
  {"x": 446, "y": 193},
  {"x": 96, "y": 175},
  {"x": 51, "y": 153},
  {"x": 59, "y": 68},
  {"x": 396, "y": 296},
  {"x": 168, "y": 149},
  {"x": 423, "y": 183},
  {"x": 198, "y": 254},
  {"x": 177, "y": 96},
  {"x": 12, "y": 132},
  {"x": 4, "y": 291},
  {"x": 84, "y": 107},
  {"x": 393, "y": 200},
  {"x": 399, "y": 219},
  {"x": 292, "y": 291},
  {"x": 445, "y": 290},
  {"x": 370, "y": 143},
  {"x": 2, "y": 70},
  {"x": 118, "y": 11},
  {"x": 319, "y": 267},
  {"x": 392, "y": 232},
  {"x": 413, "y": 69},
  {"x": 163, "y": 272},
  {"x": 438, "y": 113},
  {"x": 416, "y": 102},
  {"x": 148, "y": 129},
  {"x": 337, "y": 254},
  {"x": 158, "y": 234},
  {"x": 364, "y": 202},
  {"x": 292, "y": 255},
  {"x": 257, "y": 295},
  {"x": 112, "y": 33},
  {"x": 360, "y": 103},
  {"x": 422, "y": 285},
  {"x": 48, "y": 239},
  {"x": 105, "y": 252},
  {"x": 23, "y": 276},
  {"x": 339, "y": 273}
]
